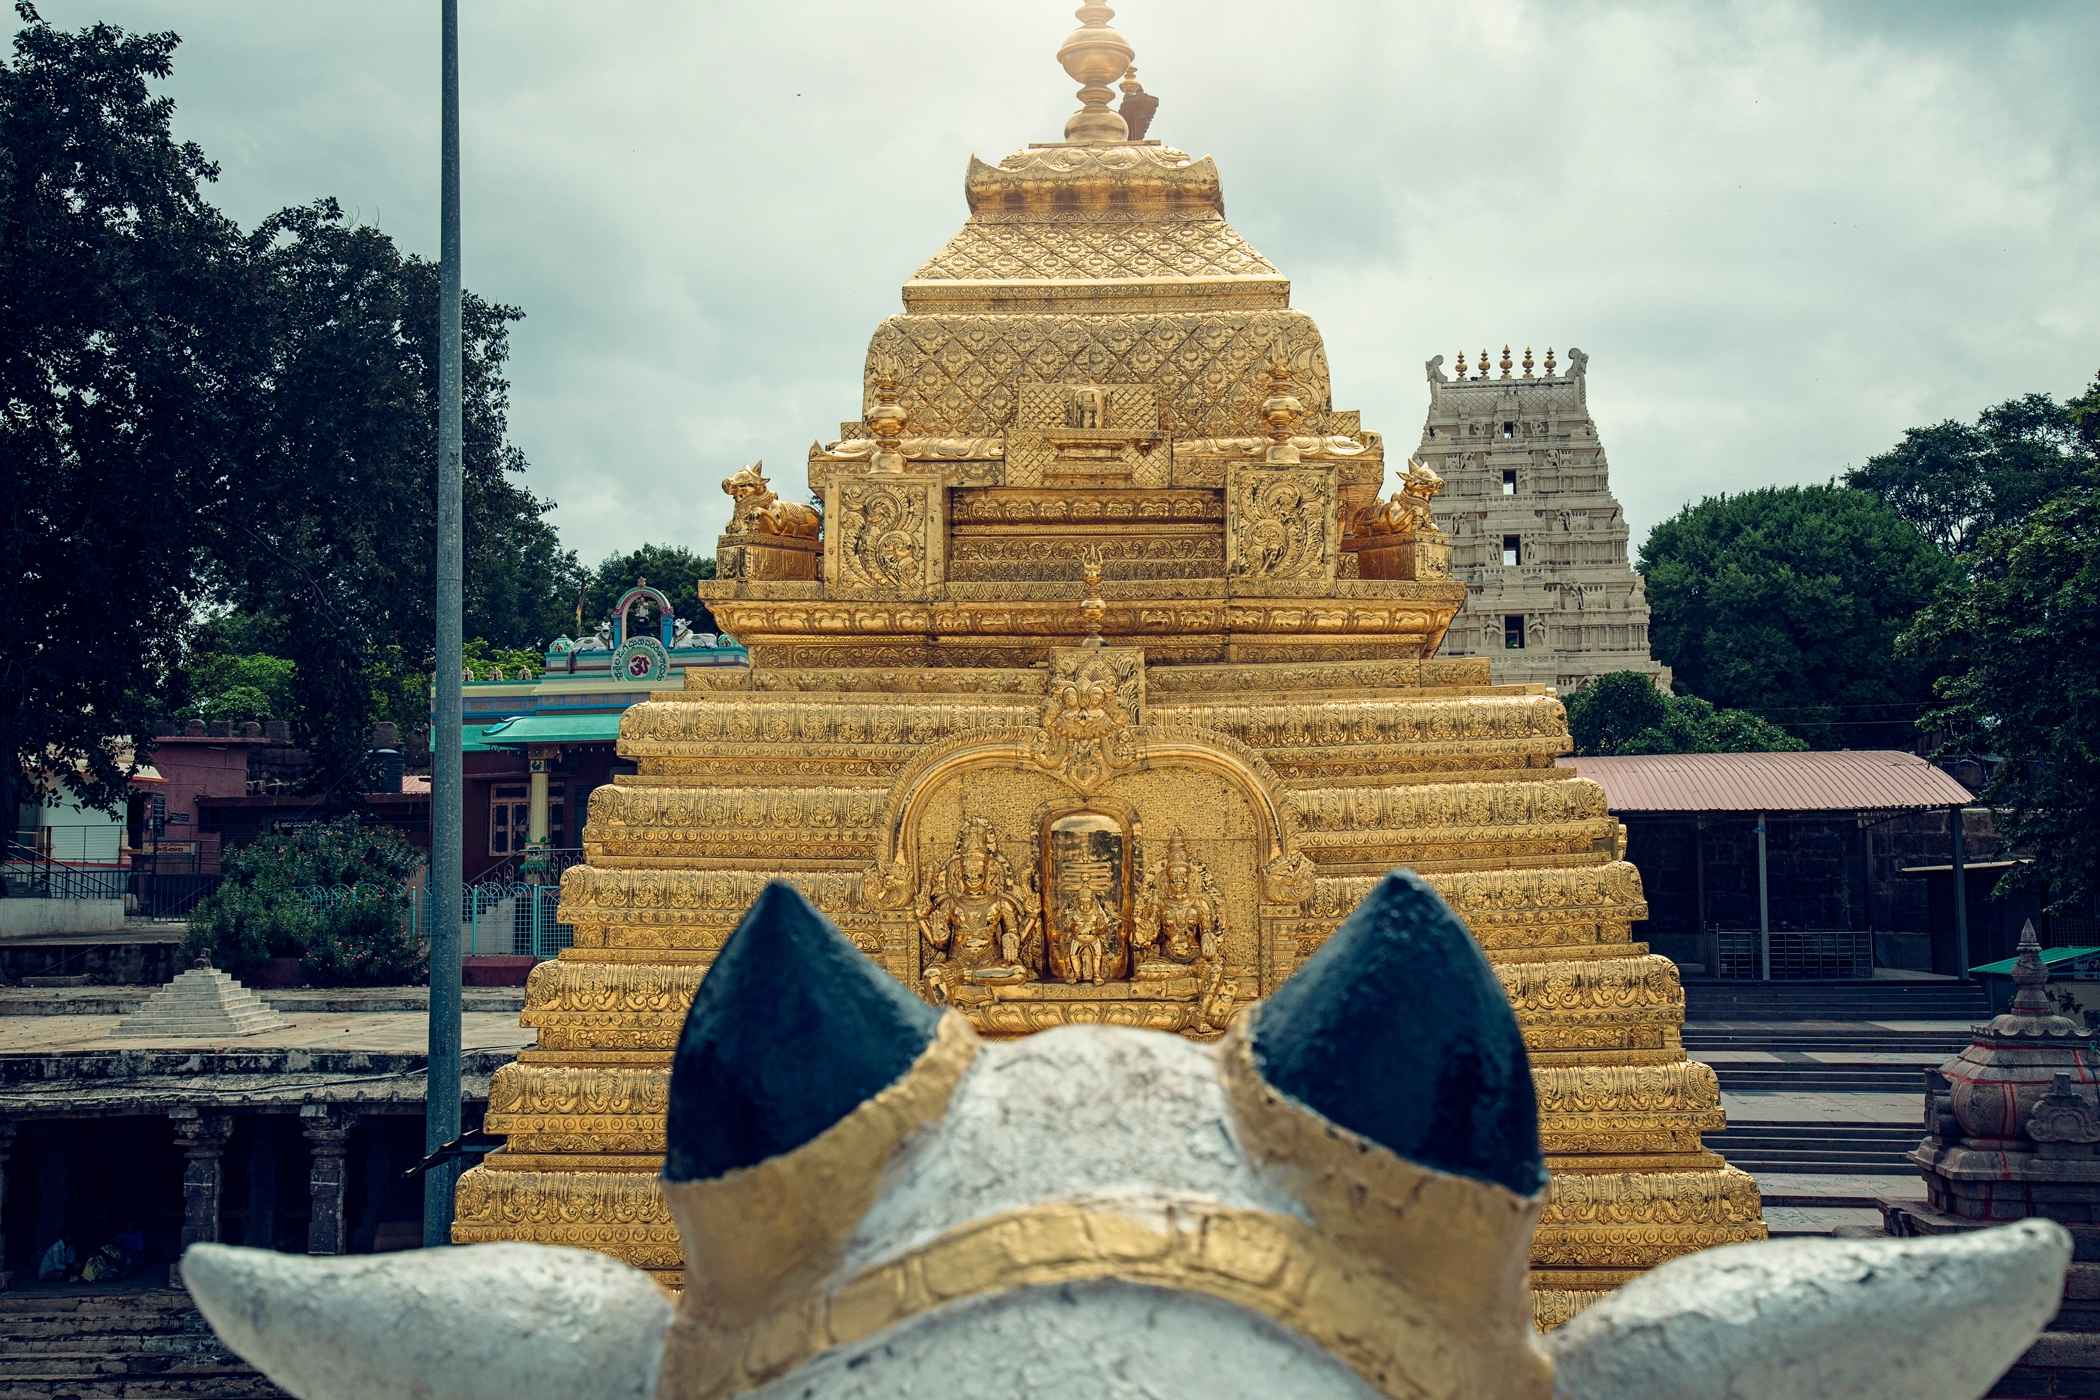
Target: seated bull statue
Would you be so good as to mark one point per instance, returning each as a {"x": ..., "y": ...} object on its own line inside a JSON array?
[{"x": 1335, "y": 1201}]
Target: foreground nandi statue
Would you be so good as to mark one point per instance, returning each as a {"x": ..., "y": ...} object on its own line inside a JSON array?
[{"x": 1333, "y": 1202}]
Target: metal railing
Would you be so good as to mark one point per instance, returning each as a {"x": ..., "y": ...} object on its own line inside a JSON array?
[
  {"x": 506, "y": 918},
  {"x": 30, "y": 873},
  {"x": 511, "y": 869},
  {"x": 1797, "y": 954}
]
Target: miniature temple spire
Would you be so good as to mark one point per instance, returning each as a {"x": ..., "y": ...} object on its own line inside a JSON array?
[
  {"x": 1505, "y": 362},
  {"x": 1527, "y": 362},
  {"x": 1461, "y": 364},
  {"x": 1549, "y": 362},
  {"x": 2030, "y": 975},
  {"x": 1484, "y": 365},
  {"x": 1095, "y": 56}
]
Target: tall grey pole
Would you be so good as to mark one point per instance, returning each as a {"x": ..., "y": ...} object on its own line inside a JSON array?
[
  {"x": 441, "y": 1082},
  {"x": 1764, "y": 906},
  {"x": 1958, "y": 830}
]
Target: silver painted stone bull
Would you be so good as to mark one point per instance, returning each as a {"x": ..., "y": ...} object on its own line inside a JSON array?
[{"x": 1336, "y": 1201}]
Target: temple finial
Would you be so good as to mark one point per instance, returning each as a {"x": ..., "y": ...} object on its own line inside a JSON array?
[{"x": 1095, "y": 56}]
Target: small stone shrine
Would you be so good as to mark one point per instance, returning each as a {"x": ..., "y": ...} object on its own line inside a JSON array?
[
  {"x": 202, "y": 1003},
  {"x": 2017, "y": 1136}
]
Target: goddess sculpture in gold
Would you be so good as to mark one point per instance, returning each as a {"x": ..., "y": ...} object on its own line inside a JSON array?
[{"x": 1106, "y": 689}]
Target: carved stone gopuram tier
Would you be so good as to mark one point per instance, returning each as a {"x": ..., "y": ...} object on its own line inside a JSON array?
[{"x": 1107, "y": 688}]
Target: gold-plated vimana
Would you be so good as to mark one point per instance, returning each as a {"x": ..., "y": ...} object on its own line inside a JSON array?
[{"x": 1107, "y": 687}]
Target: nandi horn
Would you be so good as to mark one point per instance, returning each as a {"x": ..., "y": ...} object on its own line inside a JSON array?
[
  {"x": 1386, "y": 1082},
  {"x": 802, "y": 1069}
]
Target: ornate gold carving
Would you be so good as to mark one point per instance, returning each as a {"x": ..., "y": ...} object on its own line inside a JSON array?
[
  {"x": 961, "y": 373},
  {"x": 1096, "y": 696},
  {"x": 887, "y": 535},
  {"x": 1282, "y": 524}
]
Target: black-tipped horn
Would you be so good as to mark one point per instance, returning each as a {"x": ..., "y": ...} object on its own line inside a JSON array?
[
  {"x": 1398, "y": 1030},
  {"x": 792, "y": 1029}
]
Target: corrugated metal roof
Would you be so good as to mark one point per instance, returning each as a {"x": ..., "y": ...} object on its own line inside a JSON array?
[{"x": 1845, "y": 780}]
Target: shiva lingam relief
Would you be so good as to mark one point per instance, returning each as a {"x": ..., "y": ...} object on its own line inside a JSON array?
[{"x": 1100, "y": 933}]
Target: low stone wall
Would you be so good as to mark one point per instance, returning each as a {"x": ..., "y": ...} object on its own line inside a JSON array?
[{"x": 39, "y": 918}]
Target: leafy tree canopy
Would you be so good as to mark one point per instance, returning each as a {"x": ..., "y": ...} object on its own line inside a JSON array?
[
  {"x": 674, "y": 570},
  {"x": 1625, "y": 713},
  {"x": 2018, "y": 639},
  {"x": 200, "y": 420},
  {"x": 121, "y": 289},
  {"x": 1787, "y": 601},
  {"x": 1954, "y": 481}
]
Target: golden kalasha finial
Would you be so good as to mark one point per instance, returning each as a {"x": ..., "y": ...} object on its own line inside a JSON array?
[
  {"x": 1138, "y": 106},
  {"x": 1095, "y": 56},
  {"x": 1093, "y": 609},
  {"x": 1281, "y": 410},
  {"x": 1549, "y": 362},
  {"x": 1505, "y": 362},
  {"x": 1484, "y": 366},
  {"x": 1461, "y": 364},
  {"x": 886, "y": 418},
  {"x": 1527, "y": 362}
]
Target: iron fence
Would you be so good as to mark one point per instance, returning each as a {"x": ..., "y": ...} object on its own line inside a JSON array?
[
  {"x": 505, "y": 918},
  {"x": 1797, "y": 955}
]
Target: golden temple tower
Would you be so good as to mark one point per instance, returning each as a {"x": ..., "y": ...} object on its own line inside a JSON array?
[{"x": 1103, "y": 688}]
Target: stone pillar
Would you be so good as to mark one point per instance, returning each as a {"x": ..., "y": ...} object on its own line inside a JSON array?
[
  {"x": 328, "y": 1142},
  {"x": 201, "y": 1134},
  {"x": 538, "y": 761},
  {"x": 7, "y": 1142}
]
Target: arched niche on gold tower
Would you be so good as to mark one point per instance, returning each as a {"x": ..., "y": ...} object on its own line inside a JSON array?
[{"x": 1137, "y": 788}]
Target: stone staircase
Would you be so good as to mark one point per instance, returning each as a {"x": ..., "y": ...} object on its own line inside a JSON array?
[
  {"x": 1852, "y": 1149},
  {"x": 120, "y": 1344}
]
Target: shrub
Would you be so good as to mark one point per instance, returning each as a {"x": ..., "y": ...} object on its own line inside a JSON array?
[{"x": 335, "y": 895}]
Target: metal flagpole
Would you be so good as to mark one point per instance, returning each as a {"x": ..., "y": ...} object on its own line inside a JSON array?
[{"x": 441, "y": 1082}]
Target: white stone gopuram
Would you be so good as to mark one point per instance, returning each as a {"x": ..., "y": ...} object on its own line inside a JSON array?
[
  {"x": 201, "y": 1003},
  {"x": 1536, "y": 535}
]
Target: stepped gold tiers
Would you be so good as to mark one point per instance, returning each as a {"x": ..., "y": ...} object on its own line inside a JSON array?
[{"x": 1104, "y": 685}]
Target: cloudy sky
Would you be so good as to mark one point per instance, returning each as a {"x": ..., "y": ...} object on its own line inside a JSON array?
[{"x": 1783, "y": 231}]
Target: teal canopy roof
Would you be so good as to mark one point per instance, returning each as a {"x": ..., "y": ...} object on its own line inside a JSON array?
[
  {"x": 2004, "y": 966},
  {"x": 540, "y": 729}
]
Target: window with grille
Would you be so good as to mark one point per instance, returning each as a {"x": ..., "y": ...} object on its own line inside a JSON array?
[{"x": 510, "y": 817}]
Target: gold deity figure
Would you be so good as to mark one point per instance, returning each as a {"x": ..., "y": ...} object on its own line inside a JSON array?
[
  {"x": 1089, "y": 935},
  {"x": 975, "y": 928},
  {"x": 1179, "y": 925}
]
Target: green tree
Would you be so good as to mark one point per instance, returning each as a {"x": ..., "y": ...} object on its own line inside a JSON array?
[
  {"x": 1954, "y": 481},
  {"x": 344, "y": 553},
  {"x": 121, "y": 290},
  {"x": 1625, "y": 713},
  {"x": 2018, "y": 639},
  {"x": 238, "y": 686},
  {"x": 1787, "y": 601},
  {"x": 669, "y": 567}
]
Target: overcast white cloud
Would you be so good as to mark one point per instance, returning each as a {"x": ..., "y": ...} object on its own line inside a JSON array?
[{"x": 1784, "y": 232}]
